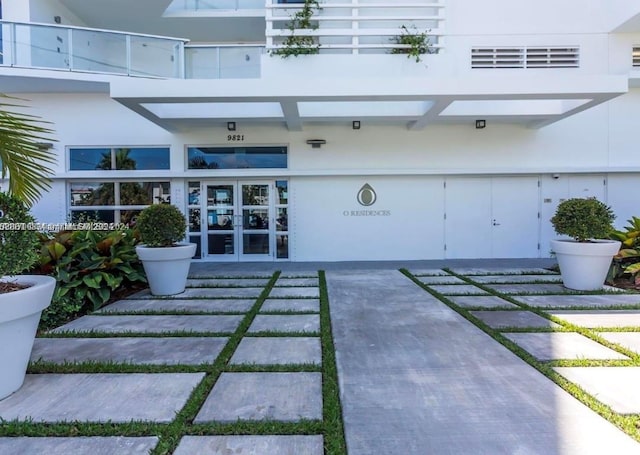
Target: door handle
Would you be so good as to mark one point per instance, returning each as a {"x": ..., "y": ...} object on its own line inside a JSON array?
[{"x": 495, "y": 223}]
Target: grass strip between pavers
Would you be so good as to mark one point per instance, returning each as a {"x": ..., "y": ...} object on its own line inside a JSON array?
[
  {"x": 170, "y": 437},
  {"x": 334, "y": 438},
  {"x": 628, "y": 423},
  {"x": 170, "y": 434}
]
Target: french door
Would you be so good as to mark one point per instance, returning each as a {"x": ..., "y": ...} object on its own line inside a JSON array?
[{"x": 238, "y": 220}]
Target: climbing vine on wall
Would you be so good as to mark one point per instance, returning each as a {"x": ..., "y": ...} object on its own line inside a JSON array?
[{"x": 295, "y": 45}]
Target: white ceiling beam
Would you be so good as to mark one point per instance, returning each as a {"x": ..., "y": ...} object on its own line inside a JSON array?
[
  {"x": 431, "y": 115},
  {"x": 291, "y": 115}
]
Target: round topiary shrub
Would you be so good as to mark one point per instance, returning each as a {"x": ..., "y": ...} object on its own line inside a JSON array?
[
  {"x": 18, "y": 239},
  {"x": 161, "y": 225},
  {"x": 583, "y": 219}
]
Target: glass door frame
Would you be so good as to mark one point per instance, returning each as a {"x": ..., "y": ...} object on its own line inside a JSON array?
[
  {"x": 252, "y": 222},
  {"x": 240, "y": 220}
]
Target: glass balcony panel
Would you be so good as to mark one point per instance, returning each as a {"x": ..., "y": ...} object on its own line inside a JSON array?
[
  {"x": 42, "y": 46},
  {"x": 215, "y": 4},
  {"x": 202, "y": 63},
  {"x": 99, "y": 51},
  {"x": 154, "y": 57},
  {"x": 240, "y": 62},
  {"x": 195, "y": 5}
]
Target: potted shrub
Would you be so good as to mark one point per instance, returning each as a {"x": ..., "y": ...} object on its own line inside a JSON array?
[
  {"x": 24, "y": 158},
  {"x": 166, "y": 262},
  {"x": 584, "y": 260},
  {"x": 22, "y": 297}
]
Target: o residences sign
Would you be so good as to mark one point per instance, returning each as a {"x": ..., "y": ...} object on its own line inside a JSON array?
[{"x": 366, "y": 197}]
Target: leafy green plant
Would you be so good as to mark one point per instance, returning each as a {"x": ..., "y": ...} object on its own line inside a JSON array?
[
  {"x": 414, "y": 43},
  {"x": 161, "y": 225},
  {"x": 22, "y": 155},
  {"x": 88, "y": 266},
  {"x": 295, "y": 45},
  {"x": 18, "y": 240},
  {"x": 583, "y": 219},
  {"x": 626, "y": 264}
]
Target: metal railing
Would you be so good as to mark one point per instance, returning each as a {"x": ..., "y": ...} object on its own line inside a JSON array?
[{"x": 359, "y": 26}]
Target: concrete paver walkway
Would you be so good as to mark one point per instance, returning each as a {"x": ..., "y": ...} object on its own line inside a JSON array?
[{"x": 415, "y": 376}]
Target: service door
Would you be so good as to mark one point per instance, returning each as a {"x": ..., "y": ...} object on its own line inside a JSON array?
[
  {"x": 515, "y": 223},
  {"x": 492, "y": 217},
  {"x": 468, "y": 218}
]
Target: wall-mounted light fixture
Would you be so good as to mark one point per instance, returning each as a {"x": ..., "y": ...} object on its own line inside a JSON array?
[
  {"x": 356, "y": 124},
  {"x": 231, "y": 126},
  {"x": 480, "y": 124},
  {"x": 316, "y": 143}
]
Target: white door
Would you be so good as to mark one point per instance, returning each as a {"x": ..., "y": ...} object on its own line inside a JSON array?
[
  {"x": 492, "y": 217},
  {"x": 515, "y": 222},
  {"x": 468, "y": 218}
]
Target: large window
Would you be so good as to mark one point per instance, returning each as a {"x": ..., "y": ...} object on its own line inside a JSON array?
[
  {"x": 237, "y": 157},
  {"x": 123, "y": 158},
  {"x": 114, "y": 202}
]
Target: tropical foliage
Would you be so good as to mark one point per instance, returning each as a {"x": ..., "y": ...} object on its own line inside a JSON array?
[
  {"x": 23, "y": 157},
  {"x": 626, "y": 264},
  {"x": 88, "y": 267}
]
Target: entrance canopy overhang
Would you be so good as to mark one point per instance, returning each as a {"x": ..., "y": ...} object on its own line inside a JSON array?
[{"x": 415, "y": 102}]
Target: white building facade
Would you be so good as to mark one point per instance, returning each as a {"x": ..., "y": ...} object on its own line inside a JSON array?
[{"x": 355, "y": 153}]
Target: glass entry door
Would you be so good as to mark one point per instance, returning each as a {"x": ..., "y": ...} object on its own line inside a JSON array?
[{"x": 238, "y": 221}]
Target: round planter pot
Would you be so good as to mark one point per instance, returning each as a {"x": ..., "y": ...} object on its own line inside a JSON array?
[
  {"x": 19, "y": 317},
  {"x": 584, "y": 265},
  {"x": 166, "y": 267}
]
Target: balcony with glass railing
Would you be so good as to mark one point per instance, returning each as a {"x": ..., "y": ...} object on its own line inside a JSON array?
[
  {"x": 178, "y": 6},
  {"x": 223, "y": 62},
  {"x": 78, "y": 49}
]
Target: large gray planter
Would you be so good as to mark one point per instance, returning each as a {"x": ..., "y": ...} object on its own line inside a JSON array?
[
  {"x": 19, "y": 317},
  {"x": 166, "y": 267}
]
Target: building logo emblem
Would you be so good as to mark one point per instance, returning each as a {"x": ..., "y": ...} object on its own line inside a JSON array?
[{"x": 367, "y": 196}]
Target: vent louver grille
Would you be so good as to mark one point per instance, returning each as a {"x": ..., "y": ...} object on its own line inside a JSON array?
[{"x": 525, "y": 57}]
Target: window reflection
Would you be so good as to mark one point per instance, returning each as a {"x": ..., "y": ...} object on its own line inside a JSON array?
[
  {"x": 124, "y": 158},
  {"x": 255, "y": 194},
  {"x": 127, "y": 197},
  {"x": 237, "y": 157},
  {"x": 92, "y": 193},
  {"x": 283, "y": 192}
]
